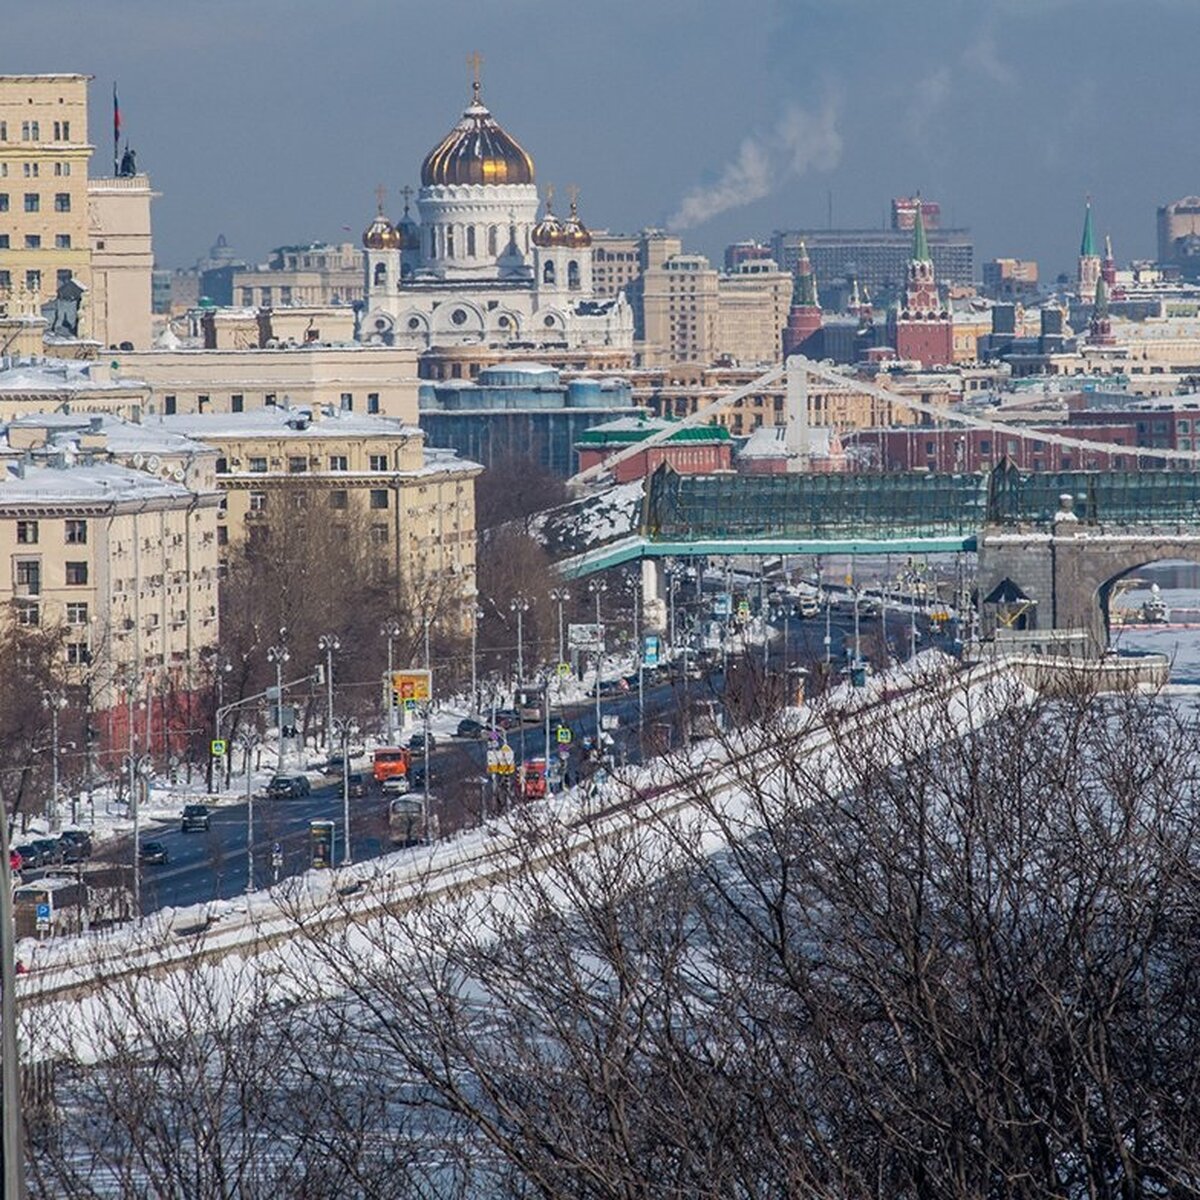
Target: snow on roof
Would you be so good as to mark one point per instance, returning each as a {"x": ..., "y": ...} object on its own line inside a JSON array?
[
  {"x": 770, "y": 441},
  {"x": 440, "y": 458},
  {"x": 120, "y": 436},
  {"x": 282, "y": 422},
  {"x": 87, "y": 484},
  {"x": 57, "y": 375}
]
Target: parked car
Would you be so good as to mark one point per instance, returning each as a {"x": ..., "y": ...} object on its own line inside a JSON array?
[
  {"x": 396, "y": 785},
  {"x": 153, "y": 854},
  {"x": 418, "y": 739},
  {"x": 613, "y": 687},
  {"x": 31, "y": 856},
  {"x": 358, "y": 783},
  {"x": 288, "y": 787},
  {"x": 471, "y": 727},
  {"x": 76, "y": 845},
  {"x": 195, "y": 816},
  {"x": 335, "y": 764},
  {"x": 507, "y": 718},
  {"x": 50, "y": 850}
]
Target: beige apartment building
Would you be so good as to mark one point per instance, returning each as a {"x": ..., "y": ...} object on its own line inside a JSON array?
[
  {"x": 372, "y": 475},
  {"x": 44, "y": 153},
  {"x": 680, "y": 305},
  {"x": 315, "y": 276},
  {"x": 618, "y": 259},
  {"x": 752, "y": 305},
  {"x": 125, "y": 563}
]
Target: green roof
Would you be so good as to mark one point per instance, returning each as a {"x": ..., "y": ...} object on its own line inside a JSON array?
[
  {"x": 626, "y": 432},
  {"x": 1087, "y": 244},
  {"x": 920, "y": 250}
]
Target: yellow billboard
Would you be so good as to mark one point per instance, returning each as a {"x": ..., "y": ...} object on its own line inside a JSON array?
[{"x": 411, "y": 685}]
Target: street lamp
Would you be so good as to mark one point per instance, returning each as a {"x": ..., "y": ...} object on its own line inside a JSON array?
[
  {"x": 140, "y": 768},
  {"x": 279, "y": 654},
  {"x": 345, "y": 728},
  {"x": 328, "y": 643},
  {"x": 476, "y": 617},
  {"x": 560, "y": 595},
  {"x": 390, "y": 630},
  {"x": 520, "y": 605},
  {"x": 428, "y": 704},
  {"x": 248, "y": 739},
  {"x": 598, "y": 587},
  {"x": 54, "y": 703}
]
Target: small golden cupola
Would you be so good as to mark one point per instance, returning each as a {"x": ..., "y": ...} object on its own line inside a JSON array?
[
  {"x": 574, "y": 232},
  {"x": 476, "y": 150},
  {"x": 381, "y": 234},
  {"x": 549, "y": 230}
]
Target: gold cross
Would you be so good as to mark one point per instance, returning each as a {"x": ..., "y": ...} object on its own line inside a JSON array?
[
  {"x": 475, "y": 61},
  {"x": 380, "y": 197},
  {"x": 573, "y": 193}
]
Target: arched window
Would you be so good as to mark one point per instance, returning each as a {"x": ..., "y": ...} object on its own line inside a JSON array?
[
  {"x": 449, "y": 241},
  {"x": 380, "y": 274},
  {"x": 548, "y": 272},
  {"x": 573, "y": 275},
  {"x": 433, "y": 241},
  {"x": 470, "y": 241},
  {"x": 492, "y": 251}
]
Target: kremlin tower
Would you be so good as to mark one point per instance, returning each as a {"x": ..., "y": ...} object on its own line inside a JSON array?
[
  {"x": 922, "y": 328},
  {"x": 1089, "y": 258},
  {"x": 804, "y": 318},
  {"x": 1100, "y": 326}
]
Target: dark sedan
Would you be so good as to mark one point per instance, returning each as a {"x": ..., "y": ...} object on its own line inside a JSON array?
[{"x": 153, "y": 854}]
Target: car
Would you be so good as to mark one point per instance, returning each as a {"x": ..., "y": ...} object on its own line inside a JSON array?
[
  {"x": 31, "y": 856},
  {"x": 358, "y": 783},
  {"x": 335, "y": 764},
  {"x": 50, "y": 850},
  {"x": 417, "y": 740},
  {"x": 507, "y": 718},
  {"x": 153, "y": 854},
  {"x": 396, "y": 785},
  {"x": 75, "y": 845},
  {"x": 613, "y": 687},
  {"x": 288, "y": 787},
  {"x": 195, "y": 816},
  {"x": 471, "y": 727}
]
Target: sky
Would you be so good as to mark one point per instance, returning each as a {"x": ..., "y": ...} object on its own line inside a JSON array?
[{"x": 273, "y": 121}]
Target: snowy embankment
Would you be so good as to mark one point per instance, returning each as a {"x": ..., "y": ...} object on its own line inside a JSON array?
[{"x": 705, "y": 789}]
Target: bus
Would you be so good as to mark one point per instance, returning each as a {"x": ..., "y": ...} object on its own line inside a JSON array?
[
  {"x": 321, "y": 836},
  {"x": 391, "y": 761},
  {"x": 51, "y": 907},
  {"x": 408, "y": 822}
]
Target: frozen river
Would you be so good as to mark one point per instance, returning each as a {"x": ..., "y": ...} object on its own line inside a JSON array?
[{"x": 1179, "y": 587}]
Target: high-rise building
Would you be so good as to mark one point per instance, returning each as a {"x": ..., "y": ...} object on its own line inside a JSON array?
[
  {"x": 1008, "y": 278},
  {"x": 752, "y": 311},
  {"x": 680, "y": 302},
  {"x": 737, "y": 253},
  {"x": 905, "y": 209},
  {"x": 1179, "y": 235}
]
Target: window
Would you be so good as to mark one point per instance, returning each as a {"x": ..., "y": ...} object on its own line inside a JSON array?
[
  {"x": 62, "y": 201},
  {"x": 31, "y": 131},
  {"x": 77, "y": 654},
  {"x": 339, "y": 462},
  {"x": 27, "y": 533},
  {"x": 372, "y": 402},
  {"x": 169, "y": 405},
  {"x": 3, "y": 241},
  {"x": 258, "y": 466},
  {"x": 63, "y": 276},
  {"x": 1183, "y": 427},
  {"x": 347, "y": 402},
  {"x": 285, "y": 294},
  {"x": 3, "y": 131},
  {"x": 5, "y": 276},
  {"x": 201, "y": 403},
  {"x": 247, "y": 297},
  {"x": 77, "y": 574},
  {"x": 28, "y": 613},
  {"x": 33, "y": 202},
  {"x": 77, "y": 613},
  {"x": 29, "y": 576},
  {"x": 222, "y": 535},
  {"x": 62, "y": 241},
  {"x": 379, "y": 498},
  {"x": 258, "y": 502},
  {"x": 222, "y": 466},
  {"x": 470, "y": 241},
  {"x": 339, "y": 499},
  {"x": 378, "y": 462},
  {"x": 266, "y": 297},
  {"x": 76, "y": 532},
  {"x": 237, "y": 403},
  {"x": 379, "y": 535},
  {"x": 62, "y": 170},
  {"x": 297, "y": 464},
  {"x": 33, "y": 241}
]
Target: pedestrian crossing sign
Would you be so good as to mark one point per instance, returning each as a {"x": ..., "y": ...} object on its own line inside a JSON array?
[{"x": 218, "y": 747}]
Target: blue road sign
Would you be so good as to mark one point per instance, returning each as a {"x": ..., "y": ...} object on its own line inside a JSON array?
[{"x": 43, "y": 912}]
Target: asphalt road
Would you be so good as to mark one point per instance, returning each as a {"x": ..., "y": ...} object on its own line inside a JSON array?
[{"x": 212, "y": 865}]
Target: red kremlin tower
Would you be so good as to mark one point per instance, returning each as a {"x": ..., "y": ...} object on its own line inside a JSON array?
[
  {"x": 922, "y": 329},
  {"x": 804, "y": 318}
]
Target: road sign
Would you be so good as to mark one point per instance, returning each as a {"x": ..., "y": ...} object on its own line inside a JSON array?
[
  {"x": 501, "y": 761},
  {"x": 564, "y": 736},
  {"x": 43, "y": 913},
  {"x": 411, "y": 685},
  {"x": 585, "y": 637},
  {"x": 722, "y": 604},
  {"x": 650, "y": 650},
  {"x": 610, "y": 721},
  {"x": 743, "y": 609},
  {"x": 218, "y": 747}
]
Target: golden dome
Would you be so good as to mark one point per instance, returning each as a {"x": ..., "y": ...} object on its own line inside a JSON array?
[
  {"x": 381, "y": 234},
  {"x": 574, "y": 232},
  {"x": 549, "y": 230},
  {"x": 476, "y": 150}
]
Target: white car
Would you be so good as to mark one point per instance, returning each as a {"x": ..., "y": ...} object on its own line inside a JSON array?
[{"x": 397, "y": 785}]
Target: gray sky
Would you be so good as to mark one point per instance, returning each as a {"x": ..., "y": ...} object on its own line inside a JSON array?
[{"x": 272, "y": 121}]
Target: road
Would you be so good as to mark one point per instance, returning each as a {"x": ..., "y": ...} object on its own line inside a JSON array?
[{"x": 212, "y": 865}]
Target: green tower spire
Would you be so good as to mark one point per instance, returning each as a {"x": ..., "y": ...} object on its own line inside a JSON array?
[
  {"x": 1087, "y": 244},
  {"x": 804, "y": 288},
  {"x": 1100, "y": 306},
  {"x": 920, "y": 250}
]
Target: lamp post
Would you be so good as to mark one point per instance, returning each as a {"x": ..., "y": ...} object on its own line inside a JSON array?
[
  {"x": 598, "y": 587},
  {"x": 54, "y": 703},
  {"x": 139, "y": 770},
  {"x": 560, "y": 595},
  {"x": 279, "y": 654},
  {"x": 328, "y": 643},
  {"x": 345, "y": 729},
  {"x": 428, "y": 706},
  {"x": 248, "y": 739},
  {"x": 10, "y": 1081},
  {"x": 390, "y": 630},
  {"x": 520, "y": 605},
  {"x": 476, "y": 617}
]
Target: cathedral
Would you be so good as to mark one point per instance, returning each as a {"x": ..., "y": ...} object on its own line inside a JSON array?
[{"x": 481, "y": 267}]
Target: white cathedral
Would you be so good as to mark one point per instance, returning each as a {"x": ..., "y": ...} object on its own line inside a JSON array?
[{"x": 480, "y": 267}]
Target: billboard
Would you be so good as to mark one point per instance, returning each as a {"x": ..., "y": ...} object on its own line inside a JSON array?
[
  {"x": 585, "y": 637},
  {"x": 412, "y": 685}
]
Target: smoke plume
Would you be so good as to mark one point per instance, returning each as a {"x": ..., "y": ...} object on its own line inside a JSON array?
[{"x": 801, "y": 141}]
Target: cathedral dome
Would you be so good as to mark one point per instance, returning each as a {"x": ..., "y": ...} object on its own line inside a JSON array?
[
  {"x": 574, "y": 232},
  {"x": 476, "y": 150},
  {"x": 381, "y": 234}
]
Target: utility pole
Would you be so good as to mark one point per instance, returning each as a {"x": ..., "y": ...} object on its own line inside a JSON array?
[
  {"x": 391, "y": 631},
  {"x": 247, "y": 739},
  {"x": 598, "y": 587},
  {"x": 425, "y": 739},
  {"x": 345, "y": 728},
  {"x": 476, "y": 617},
  {"x": 520, "y": 605},
  {"x": 10, "y": 1072},
  {"x": 328, "y": 643},
  {"x": 560, "y": 596},
  {"x": 54, "y": 703},
  {"x": 279, "y": 654}
]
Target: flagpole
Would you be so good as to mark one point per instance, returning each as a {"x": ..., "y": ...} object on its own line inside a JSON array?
[{"x": 116, "y": 132}]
